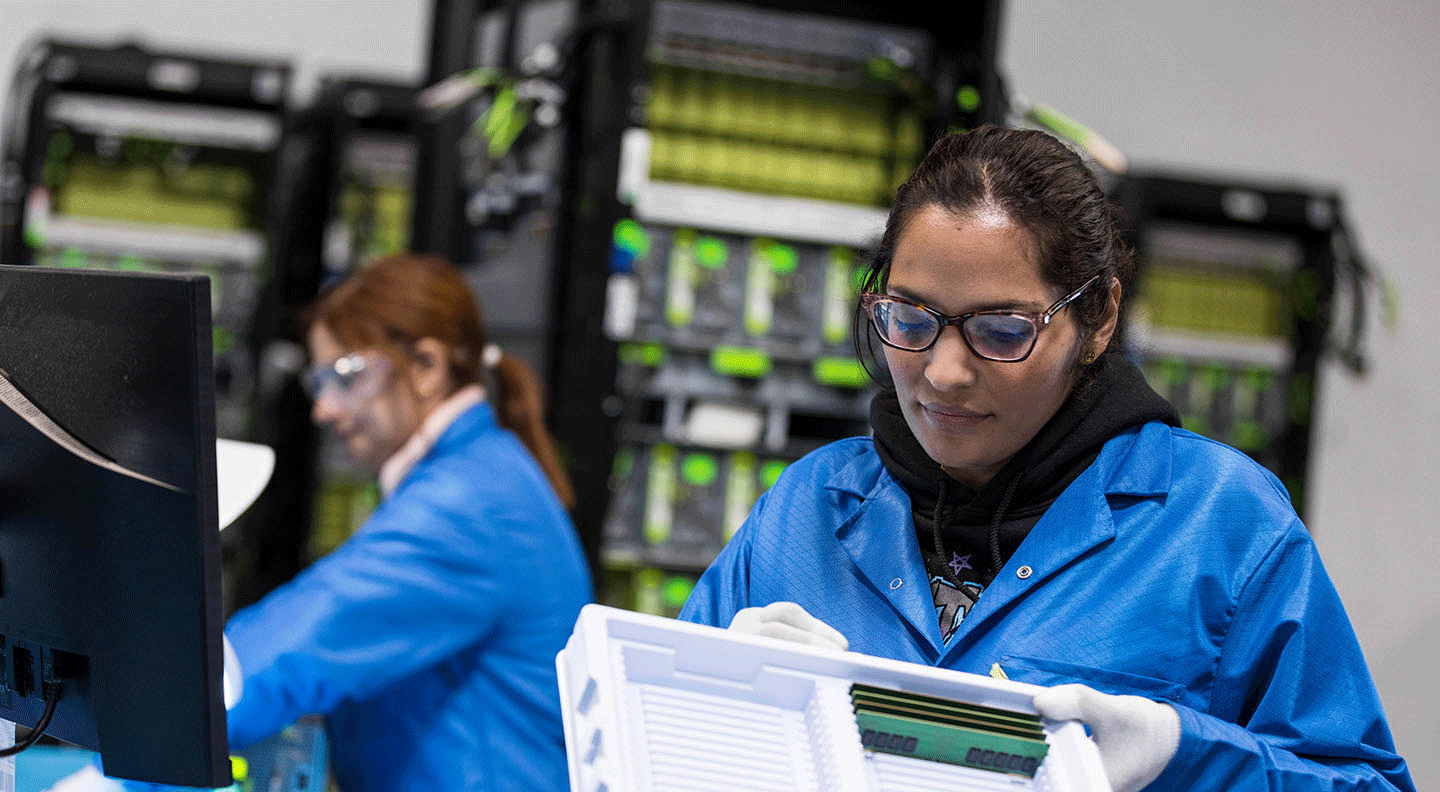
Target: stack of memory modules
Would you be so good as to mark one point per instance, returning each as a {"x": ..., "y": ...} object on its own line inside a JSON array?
[{"x": 945, "y": 730}]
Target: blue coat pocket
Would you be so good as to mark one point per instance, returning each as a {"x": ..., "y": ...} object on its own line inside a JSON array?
[{"x": 1049, "y": 673}]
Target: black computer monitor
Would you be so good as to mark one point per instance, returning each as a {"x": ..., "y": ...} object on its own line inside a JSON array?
[{"x": 109, "y": 549}]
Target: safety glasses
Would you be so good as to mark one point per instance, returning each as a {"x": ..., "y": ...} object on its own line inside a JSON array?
[
  {"x": 1004, "y": 336},
  {"x": 353, "y": 378}
]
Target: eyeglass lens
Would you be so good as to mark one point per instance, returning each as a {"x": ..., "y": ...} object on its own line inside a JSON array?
[
  {"x": 997, "y": 336},
  {"x": 343, "y": 375}
]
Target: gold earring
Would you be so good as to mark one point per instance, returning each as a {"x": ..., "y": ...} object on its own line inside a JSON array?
[{"x": 1089, "y": 357}]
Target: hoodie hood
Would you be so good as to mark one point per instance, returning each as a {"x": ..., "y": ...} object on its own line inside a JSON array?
[{"x": 966, "y": 535}]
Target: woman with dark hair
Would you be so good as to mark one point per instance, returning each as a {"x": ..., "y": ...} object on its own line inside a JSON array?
[
  {"x": 428, "y": 639},
  {"x": 1029, "y": 507}
]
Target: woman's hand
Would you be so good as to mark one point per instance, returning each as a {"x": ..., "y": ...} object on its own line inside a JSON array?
[
  {"x": 788, "y": 621},
  {"x": 1136, "y": 736}
]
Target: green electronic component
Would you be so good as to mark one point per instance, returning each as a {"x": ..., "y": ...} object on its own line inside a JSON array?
[
  {"x": 711, "y": 253},
  {"x": 680, "y": 279},
  {"x": 740, "y": 361},
  {"x": 783, "y": 259},
  {"x": 760, "y": 288},
  {"x": 649, "y": 591},
  {"x": 838, "y": 296},
  {"x": 676, "y": 590},
  {"x": 739, "y": 492},
  {"x": 641, "y": 353},
  {"x": 968, "y": 98},
  {"x": 944, "y": 730},
  {"x": 699, "y": 470},
  {"x": 770, "y": 473},
  {"x": 631, "y": 238},
  {"x": 660, "y": 486},
  {"x": 841, "y": 372}
]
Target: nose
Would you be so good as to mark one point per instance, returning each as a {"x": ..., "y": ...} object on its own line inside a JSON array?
[
  {"x": 950, "y": 363},
  {"x": 325, "y": 409}
]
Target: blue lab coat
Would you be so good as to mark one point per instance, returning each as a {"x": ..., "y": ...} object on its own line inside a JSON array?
[
  {"x": 429, "y": 638},
  {"x": 1173, "y": 568}
]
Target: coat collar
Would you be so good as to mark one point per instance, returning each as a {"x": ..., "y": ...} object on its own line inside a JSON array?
[{"x": 877, "y": 529}]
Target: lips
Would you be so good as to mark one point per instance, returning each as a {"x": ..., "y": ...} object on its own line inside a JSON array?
[{"x": 953, "y": 417}]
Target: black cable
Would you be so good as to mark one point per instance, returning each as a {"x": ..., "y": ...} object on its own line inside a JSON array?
[
  {"x": 1352, "y": 349},
  {"x": 52, "y": 698}
]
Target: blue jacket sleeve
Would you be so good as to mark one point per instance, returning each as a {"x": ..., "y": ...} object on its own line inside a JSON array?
[
  {"x": 419, "y": 581},
  {"x": 1293, "y": 706}
]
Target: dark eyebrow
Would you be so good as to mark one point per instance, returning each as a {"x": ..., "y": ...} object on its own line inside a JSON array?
[{"x": 1008, "y": 305}]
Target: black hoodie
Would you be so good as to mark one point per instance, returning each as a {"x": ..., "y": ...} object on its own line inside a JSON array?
[{"x": 965, "y": 536}]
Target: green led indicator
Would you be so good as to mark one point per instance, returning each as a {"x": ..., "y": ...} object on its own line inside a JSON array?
[
  {"x": 840, "y": 372},
  {"x": 968, "y": 98},
  {"x": 700, "y": 469},
  {"x": 740, "y": 361},
  {"x": 783, "y": 258},
  {"x": 770, "y": 472},
  {"x": 631, "y": 237},
  {"x": 647, "y": 353},
  {"x": 677, "y": 590},
  {"x": 710, "y": 253}
]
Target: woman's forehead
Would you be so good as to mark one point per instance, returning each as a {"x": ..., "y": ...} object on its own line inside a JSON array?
[{"x": 960, "y": 261}]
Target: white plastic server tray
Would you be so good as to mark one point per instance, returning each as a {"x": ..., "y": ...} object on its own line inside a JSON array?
[{"x": 653, "y": 704}]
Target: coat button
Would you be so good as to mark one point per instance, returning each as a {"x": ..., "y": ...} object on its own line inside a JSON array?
[
  {"x": 1024, "y": 572},
  {"x": 896, "y": 583}
]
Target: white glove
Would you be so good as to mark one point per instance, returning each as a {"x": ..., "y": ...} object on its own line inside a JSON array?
[
  {"x": 1137, "y": 737},
  {"x": 86, "y": 779},
  {"x": 790, "y": 622},
  {"x": 233, "y": 680}
]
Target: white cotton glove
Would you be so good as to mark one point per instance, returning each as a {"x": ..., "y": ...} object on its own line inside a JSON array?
[
  {"x": 1137, "y": 737},
  {"x": 86, "y": 779},
  {"x": 233, "y": 680},
  {"x": 788, "y": 621}
]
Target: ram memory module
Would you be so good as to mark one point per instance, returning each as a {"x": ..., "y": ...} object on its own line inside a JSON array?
[{"x": 945, "y": 730}]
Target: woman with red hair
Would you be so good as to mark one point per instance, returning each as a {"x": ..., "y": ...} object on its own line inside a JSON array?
[{"x": 428, "y": 639}]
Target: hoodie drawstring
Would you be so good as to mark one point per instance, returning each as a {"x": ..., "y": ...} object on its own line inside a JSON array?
[{"x": 943, "y": 489}]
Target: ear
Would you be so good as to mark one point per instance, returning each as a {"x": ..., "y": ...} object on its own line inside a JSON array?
[
  {"x": 430, "y": 369},
  {"x": 1106, "y": 331}
]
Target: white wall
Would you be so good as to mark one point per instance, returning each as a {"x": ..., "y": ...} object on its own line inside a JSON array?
[{"x": 1339, "y": 94}]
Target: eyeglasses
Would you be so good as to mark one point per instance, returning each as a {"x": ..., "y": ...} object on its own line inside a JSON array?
[
  {"x": 356, "y": 376},
  {"x": 1004, "y": 336}
]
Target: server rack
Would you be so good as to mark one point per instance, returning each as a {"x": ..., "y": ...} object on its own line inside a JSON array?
[
  {"x": 724, "y": 168},
  {"x": 130, "y": 157},
  {"x": 1233, "y": 306}
]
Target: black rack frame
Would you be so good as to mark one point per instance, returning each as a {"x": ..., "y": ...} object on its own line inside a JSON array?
[{"x": 1311, "y": 217}]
